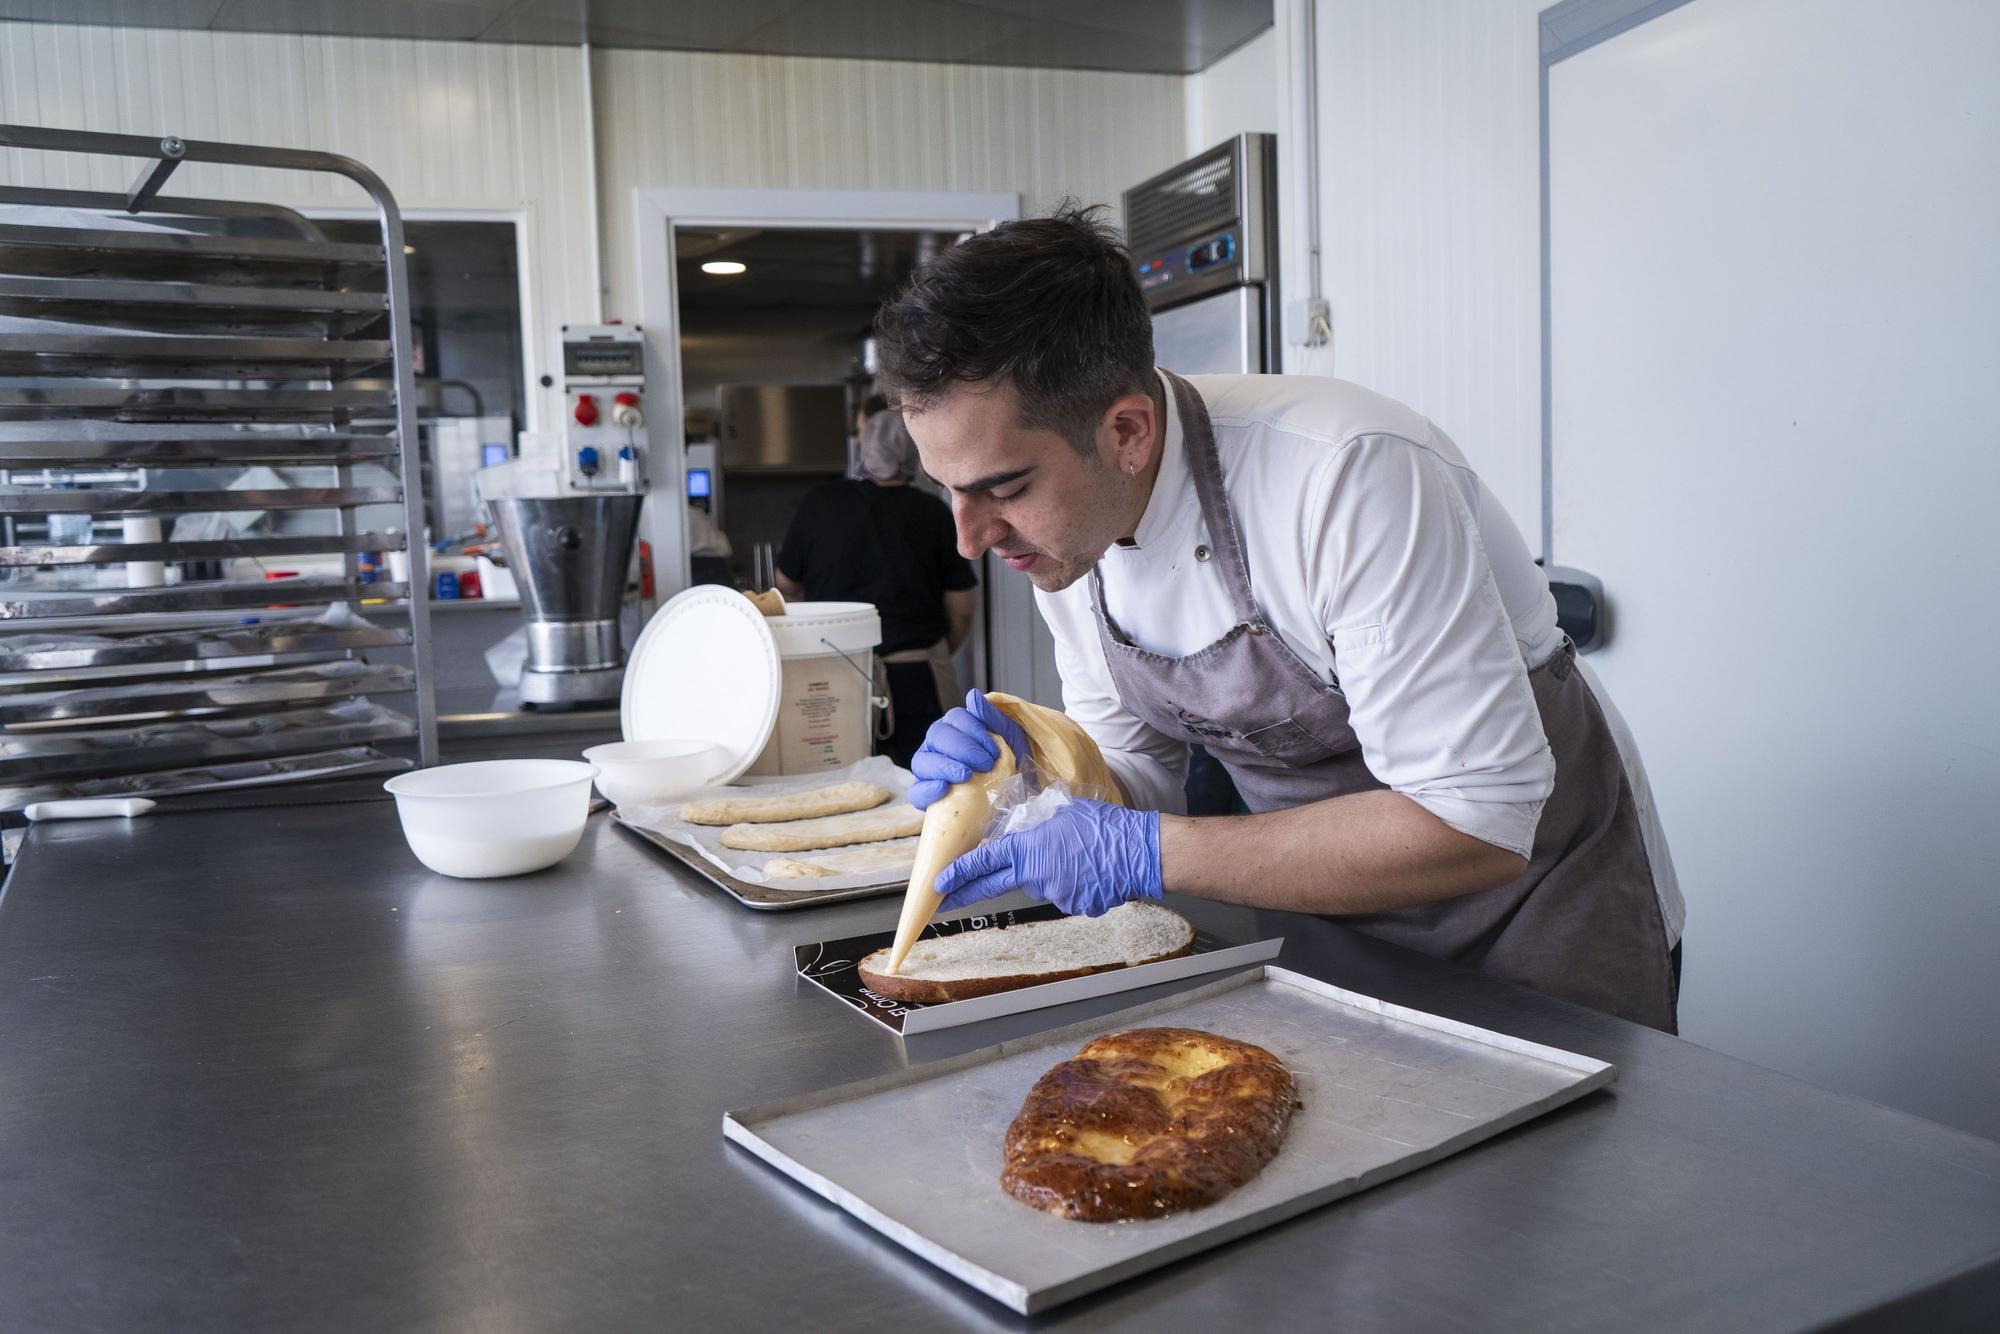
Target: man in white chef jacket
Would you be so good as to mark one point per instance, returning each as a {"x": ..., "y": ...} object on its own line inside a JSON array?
[{"x": 1308, "y": 580}]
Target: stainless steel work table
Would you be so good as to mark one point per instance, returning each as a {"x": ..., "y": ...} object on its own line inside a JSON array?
[{"x": 259, "y": 1069}]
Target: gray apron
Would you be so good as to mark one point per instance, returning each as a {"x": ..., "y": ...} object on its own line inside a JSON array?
[
  {"x": 1582, "y": 923},
  {"x": 944, "y": 675}
]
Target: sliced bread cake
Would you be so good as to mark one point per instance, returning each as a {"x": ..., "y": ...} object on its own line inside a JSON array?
[{"x": 979, "y": 963}]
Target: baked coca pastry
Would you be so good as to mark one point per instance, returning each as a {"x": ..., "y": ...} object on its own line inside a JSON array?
[{"x": 1146, "y": 1123}]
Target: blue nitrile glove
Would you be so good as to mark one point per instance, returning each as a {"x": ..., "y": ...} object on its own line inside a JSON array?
[
  {"x": 1087, "y": 858},
  {"x": 959, "y": 745}
]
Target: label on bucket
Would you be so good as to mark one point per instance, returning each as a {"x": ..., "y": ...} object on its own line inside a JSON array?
[{"x": 824, "y": 719}]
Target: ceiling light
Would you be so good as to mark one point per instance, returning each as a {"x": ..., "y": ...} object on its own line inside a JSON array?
[{"x": 724, "y": 267}]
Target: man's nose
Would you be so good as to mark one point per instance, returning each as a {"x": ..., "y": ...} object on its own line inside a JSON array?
[{"x": 978, "y": 527}]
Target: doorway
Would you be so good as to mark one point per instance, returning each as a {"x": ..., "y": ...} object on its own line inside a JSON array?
[
  {"x": 776, "y": 365},
  {"x": 781, "y": 337}
]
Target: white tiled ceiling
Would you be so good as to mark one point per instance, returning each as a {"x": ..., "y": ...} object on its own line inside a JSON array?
[{"x": 1140, "y": 36}]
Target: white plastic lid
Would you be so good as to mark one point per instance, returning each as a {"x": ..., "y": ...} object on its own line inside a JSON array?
[{"x": 706, "y": 669}]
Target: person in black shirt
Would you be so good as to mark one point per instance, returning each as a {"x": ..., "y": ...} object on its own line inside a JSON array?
[{"x": 879, "y": 539}]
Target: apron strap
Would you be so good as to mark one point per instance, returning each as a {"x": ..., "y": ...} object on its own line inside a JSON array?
[{"x": 1205, "y": 465}]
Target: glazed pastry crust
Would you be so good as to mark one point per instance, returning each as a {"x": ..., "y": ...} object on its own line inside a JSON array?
[{"x": 1146, "y": 1123}]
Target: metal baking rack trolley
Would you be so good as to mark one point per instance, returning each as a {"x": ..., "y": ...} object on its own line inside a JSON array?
[{"x": 153, "y": 371}]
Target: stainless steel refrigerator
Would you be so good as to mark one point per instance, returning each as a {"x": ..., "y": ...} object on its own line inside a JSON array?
[{"x": 1203, "y": 237}]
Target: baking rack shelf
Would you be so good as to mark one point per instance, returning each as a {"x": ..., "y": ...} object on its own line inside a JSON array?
[
  {"x": 204, "y": 690},
  {"x": 111, "y": 356},
  {"x": 41, "y": 605},
  {"x": 252, "y": 395},
  {"x": 100, "y": 751},
  {"x": 69, "y": 653},
  {"x": 140, "y": 404},
  {"x": 231, "y": 261},
  {"x": 198, "y": 446},
  {"x": 218, "y": 308},
  {"x": 226, "y": 548}
]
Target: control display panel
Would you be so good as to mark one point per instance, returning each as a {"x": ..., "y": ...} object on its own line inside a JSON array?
[
  {"x": 1216, "y": 253},
  {"x": 604, "y": 358}
]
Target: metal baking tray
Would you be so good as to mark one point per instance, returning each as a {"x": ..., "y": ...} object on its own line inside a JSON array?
[
  {"x": 30, "y": 651},
  {"x": 834, "y": 967},
  {"x": 92, "y": 754},
  {"x": 31, "y": 500},
  {"x": 748, "y": 893},
  {"x": 214, "y": 308},
  {"x": 83, "y": 252},
  {"x": 351, "y": 762},
  {"x": 124, "y": 445},
  {"x": 207, "y": 692},
  {"x": 14, "y": 685},
  {"x": 1385, "y": 1090},
  {"x": 29, "y": 604},
  {"x": 224, "y": 548},
  {"x": 188, "y": 404},
  {"x": 115, "y": 356}
]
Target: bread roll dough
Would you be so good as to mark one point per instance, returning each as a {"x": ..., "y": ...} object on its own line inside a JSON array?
[
  {"x": 808, "y": 805},
  {"x": 899, "y": 820},
  {"x": 898, "y": 854}
]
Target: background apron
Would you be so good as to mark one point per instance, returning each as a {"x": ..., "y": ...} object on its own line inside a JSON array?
[
  {"x": 920, "y": 684},
  {"x": 1582, "y": 922}
]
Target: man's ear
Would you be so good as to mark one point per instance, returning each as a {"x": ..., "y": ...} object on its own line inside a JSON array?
[{"x": 1130, "y": 431}]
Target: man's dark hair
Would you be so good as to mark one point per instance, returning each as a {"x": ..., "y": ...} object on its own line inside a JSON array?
[{"x": 1050, "y": 305}]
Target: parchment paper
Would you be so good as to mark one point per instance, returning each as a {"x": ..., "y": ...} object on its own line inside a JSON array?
[{"x": 706, "y": 840}]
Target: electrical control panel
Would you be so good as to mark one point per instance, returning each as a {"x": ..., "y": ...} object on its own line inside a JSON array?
[{"x": 604, "y": 408}]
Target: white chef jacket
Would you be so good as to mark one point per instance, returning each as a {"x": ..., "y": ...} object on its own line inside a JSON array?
[{"x": 1374, "y": 551}]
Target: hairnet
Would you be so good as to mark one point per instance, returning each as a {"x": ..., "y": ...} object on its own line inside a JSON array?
[{"x": 887, "y": 451}]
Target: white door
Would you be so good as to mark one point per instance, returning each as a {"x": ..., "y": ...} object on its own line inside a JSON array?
[{"x": 1775, "y": 349}]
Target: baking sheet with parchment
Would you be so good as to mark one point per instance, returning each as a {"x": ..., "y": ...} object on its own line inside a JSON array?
[
  {"x": 1384, "y": 1091},
  {"x": 706, "y": 840}
]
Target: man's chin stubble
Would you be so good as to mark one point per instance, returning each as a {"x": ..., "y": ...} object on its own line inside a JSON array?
[{"x": 1060, "y": 580}]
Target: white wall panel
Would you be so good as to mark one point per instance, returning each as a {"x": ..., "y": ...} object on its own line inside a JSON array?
[
  {"x": 688, "y": 120},
  {"x": 1766, "y": 362},
  {"x": 1430, "y": 219},
  {"x": 448, "y": 125},
  {"x": 1235, "y": 95},
  {"x": 1428, "y": 158},
  {"x": 463, "y": 126}
]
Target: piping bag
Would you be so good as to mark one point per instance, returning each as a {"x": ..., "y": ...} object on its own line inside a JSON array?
[{"x": 955, "y": 822}]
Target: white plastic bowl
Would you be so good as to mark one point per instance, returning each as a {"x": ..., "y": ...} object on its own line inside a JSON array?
[
  {"x": 493, "y": 817},
  {"x": 653, "y": 773}
]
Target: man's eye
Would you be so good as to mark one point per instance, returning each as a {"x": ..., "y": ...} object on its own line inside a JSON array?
[{"x": 1015, "y": 494}]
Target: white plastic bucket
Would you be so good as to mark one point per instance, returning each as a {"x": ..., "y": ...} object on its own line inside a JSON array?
[{"x": 826, "y": 715}]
